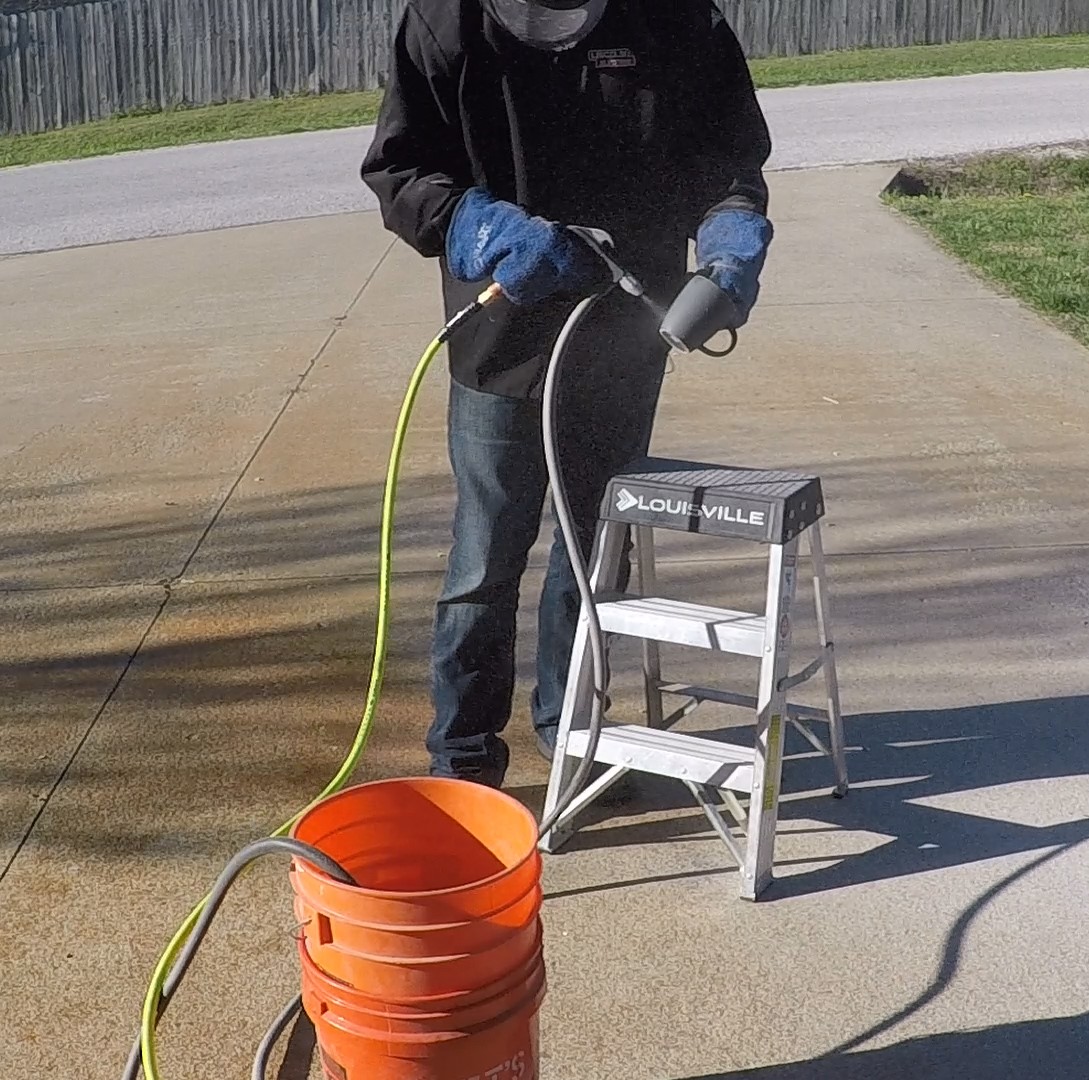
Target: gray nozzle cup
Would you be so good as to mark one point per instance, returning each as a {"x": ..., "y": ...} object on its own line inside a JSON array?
[{"x": 700, "y": 311}]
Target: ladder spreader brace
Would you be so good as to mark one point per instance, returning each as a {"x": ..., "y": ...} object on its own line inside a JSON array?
[{"x": 769, "y": 507}]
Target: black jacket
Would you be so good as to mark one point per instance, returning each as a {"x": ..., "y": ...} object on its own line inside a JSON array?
[{"x": 642, "y": 129}]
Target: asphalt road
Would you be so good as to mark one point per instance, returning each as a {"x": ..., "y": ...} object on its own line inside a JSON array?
[{"x": 219, "y": 185}]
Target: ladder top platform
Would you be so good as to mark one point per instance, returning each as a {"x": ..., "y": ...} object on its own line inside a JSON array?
[{"x": 770, "y": 506}]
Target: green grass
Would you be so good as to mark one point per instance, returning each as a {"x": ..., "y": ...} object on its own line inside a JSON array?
[
  {"x": 967, "y": 58},
  {"x": 313, "y": 113},
  {"x": 1031, "y": 237},
  {"x": 177, "y": 127}
]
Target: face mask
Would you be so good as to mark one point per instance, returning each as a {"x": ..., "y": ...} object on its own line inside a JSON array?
[{"x": 547, "y": 24}]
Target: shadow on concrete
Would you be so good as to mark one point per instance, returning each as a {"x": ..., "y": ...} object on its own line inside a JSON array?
[
  {"x": 250, "y": 682},
  {"x": 275, "y": 535},
  {"x": 1052, "y": 1047},
  {"x": 283, "y": 614},
  {"x": 1038, "y": 1048},
  {"x": 912, "y": 757},
  {"x": 292, "y": 543},
  {"x": 907, "y": 761},
  {"x": 300, "y": 1050}
]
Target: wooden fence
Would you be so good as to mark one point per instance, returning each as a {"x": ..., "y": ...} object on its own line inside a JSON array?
[
  {"x": 793, "y": 27},
  {"x": 82, "y": 62},
  {"x": 67, "y": 64}
]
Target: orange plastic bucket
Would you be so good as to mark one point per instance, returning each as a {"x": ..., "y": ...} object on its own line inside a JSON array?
[
  {"x": 412, "y": 1006},
  {"x": 496, "y": 1038},
  {"x": 448, "y": 897},
  {"x": 445, "y": 939},
  {"x": 329, "y": 995}
]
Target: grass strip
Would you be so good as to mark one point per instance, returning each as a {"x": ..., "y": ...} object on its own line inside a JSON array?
[{"x": 284, "y": 116}]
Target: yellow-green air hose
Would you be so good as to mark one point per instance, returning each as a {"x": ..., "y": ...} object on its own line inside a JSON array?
[
  {"x": 175, "y": 960},
  {"x": 154, "y": 1000}
]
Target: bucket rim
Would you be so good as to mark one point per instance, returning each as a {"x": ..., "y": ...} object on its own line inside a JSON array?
[
  {"x": 385, "y": 894},
  {"x": 535, "y": 976},
  {"x": 530, "y": 1003},
  {"x": 433, "y": 1002},
  {"x": 409, "y": 929},
  {"x": 427, "y": 960}
]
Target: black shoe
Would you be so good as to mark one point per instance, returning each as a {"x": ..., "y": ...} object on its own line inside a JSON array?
[
  {"x": 492, "y": 778},
  {"x": 546, "y": 736},
  {"x": 488, "y": 769},
  {"x": 546, "y": 742}
]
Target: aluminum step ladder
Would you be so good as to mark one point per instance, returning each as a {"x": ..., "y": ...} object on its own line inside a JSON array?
[{"x": 773, "y": 508}]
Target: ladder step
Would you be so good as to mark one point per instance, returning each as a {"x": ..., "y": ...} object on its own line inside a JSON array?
[
  {"x": 668, "y": 753},
  {"x": 745, "y": 701},
  {"x": 681, "y": 623}
]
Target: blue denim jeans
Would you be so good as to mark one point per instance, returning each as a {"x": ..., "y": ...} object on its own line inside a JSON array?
[{"x": 606, "y": 412}]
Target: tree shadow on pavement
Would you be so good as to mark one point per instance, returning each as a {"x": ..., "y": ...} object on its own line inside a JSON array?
[
  {"x": 278, "y": 603},
  {"x": 117, "y": 531},
  {"x": 247, "y": 677},
  {"x": 912, "y": 762}
]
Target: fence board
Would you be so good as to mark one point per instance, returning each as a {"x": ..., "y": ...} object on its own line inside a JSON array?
[
  {"x": 88, "y": 60},
  {"x": 40, "y": 87}
]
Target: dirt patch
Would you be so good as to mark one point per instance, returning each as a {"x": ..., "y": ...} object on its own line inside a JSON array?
[{"x": 1038, "y": 170}]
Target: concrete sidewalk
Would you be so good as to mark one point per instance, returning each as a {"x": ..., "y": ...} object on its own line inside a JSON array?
[{"x": 193, "y": 434}]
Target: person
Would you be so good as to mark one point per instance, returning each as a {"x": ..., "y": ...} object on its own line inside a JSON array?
[{"x": 502, "y": 122}]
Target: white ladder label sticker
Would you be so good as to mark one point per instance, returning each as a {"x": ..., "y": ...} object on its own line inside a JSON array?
[
  {"x": 740, "y": 515},
  {"x": 774, "y": 733}
]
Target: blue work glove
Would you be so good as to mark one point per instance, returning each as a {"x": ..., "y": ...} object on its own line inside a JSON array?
[
  {"x": 731, "y": 246},
  {"x": 531, "y": 259}
]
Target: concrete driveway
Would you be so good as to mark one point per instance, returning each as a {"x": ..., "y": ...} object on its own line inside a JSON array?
[{"x": 193, "y": 433}]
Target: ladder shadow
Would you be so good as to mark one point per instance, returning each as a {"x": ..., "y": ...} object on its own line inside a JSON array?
[
  {"x": 933, "y": 789},
  {"x": 951, "y": 787}
]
